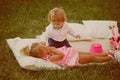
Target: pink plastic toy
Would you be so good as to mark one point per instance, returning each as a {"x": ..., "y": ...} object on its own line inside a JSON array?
[
  {"x": 96, "y": 48},
  {"x": 114, "y": 40}
]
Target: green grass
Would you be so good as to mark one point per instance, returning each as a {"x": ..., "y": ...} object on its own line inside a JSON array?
[{"x": 28, "y": 18}]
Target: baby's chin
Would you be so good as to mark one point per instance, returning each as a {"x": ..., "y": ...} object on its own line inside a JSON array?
[{"x": 57, "y": 28}]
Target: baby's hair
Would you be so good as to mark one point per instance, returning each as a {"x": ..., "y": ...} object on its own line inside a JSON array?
[
  {"x": 57, "y": 14},
  {"x": 25, "y": 51},
  {"x": 34, "y": 51}
]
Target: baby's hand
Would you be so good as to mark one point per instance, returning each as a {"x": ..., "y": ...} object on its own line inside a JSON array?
[
  {"x": 78, "y": 36},
  {"x": 43, "y": 43}
]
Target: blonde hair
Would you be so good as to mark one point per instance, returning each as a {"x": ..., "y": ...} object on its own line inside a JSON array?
[
  {"x": 25, "y": 51},
  {"x": 56, "y": 14},
  {"x": 34, "y": 51}
]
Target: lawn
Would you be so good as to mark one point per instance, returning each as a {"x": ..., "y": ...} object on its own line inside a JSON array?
[{"x": 28, "y": 18}]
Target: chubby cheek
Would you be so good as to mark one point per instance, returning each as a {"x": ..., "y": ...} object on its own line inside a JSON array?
[
  {"x": 45, "y": 53},
  {"x": 39, "y": 56}
]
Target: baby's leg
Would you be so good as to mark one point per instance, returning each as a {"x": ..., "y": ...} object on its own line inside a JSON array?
[
  {"x": 91, "y": 58},
  {"x": 99, "y": 54}
]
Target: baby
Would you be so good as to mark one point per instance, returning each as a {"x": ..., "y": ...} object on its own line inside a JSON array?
[
  {"x": 64, "y": 56},
  {"x": 58, "y": 29}
]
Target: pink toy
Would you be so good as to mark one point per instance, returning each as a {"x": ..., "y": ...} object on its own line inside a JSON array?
[
  {"x": 114, "y": 41},
  {"x": 96, "y": 48}
]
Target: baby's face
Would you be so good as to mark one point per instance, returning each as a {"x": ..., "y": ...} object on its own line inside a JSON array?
[{"x": 57, "y": 25}]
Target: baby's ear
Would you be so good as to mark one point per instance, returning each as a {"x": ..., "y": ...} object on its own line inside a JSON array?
[{"x": 25, "y": 51}]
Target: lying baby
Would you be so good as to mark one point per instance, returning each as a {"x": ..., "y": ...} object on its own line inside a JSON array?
[{"x": 64, "y": 56}]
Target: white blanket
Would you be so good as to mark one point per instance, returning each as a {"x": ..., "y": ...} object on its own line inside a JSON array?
[
  {"x": 32, "y": 63},
  {"x": 28, "y": 62}
]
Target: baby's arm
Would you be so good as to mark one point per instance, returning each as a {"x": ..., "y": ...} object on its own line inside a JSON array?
[
  {"x": 73, "y": 33},
  {"x": 56, "y": 55},
  {"x": 78, "y": 37},
  {"x": 55, "y": 58},
  {"x": 45, "y": 35}
]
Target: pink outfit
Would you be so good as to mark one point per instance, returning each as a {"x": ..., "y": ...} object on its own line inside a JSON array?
[{"x": 70, "y": 59}]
